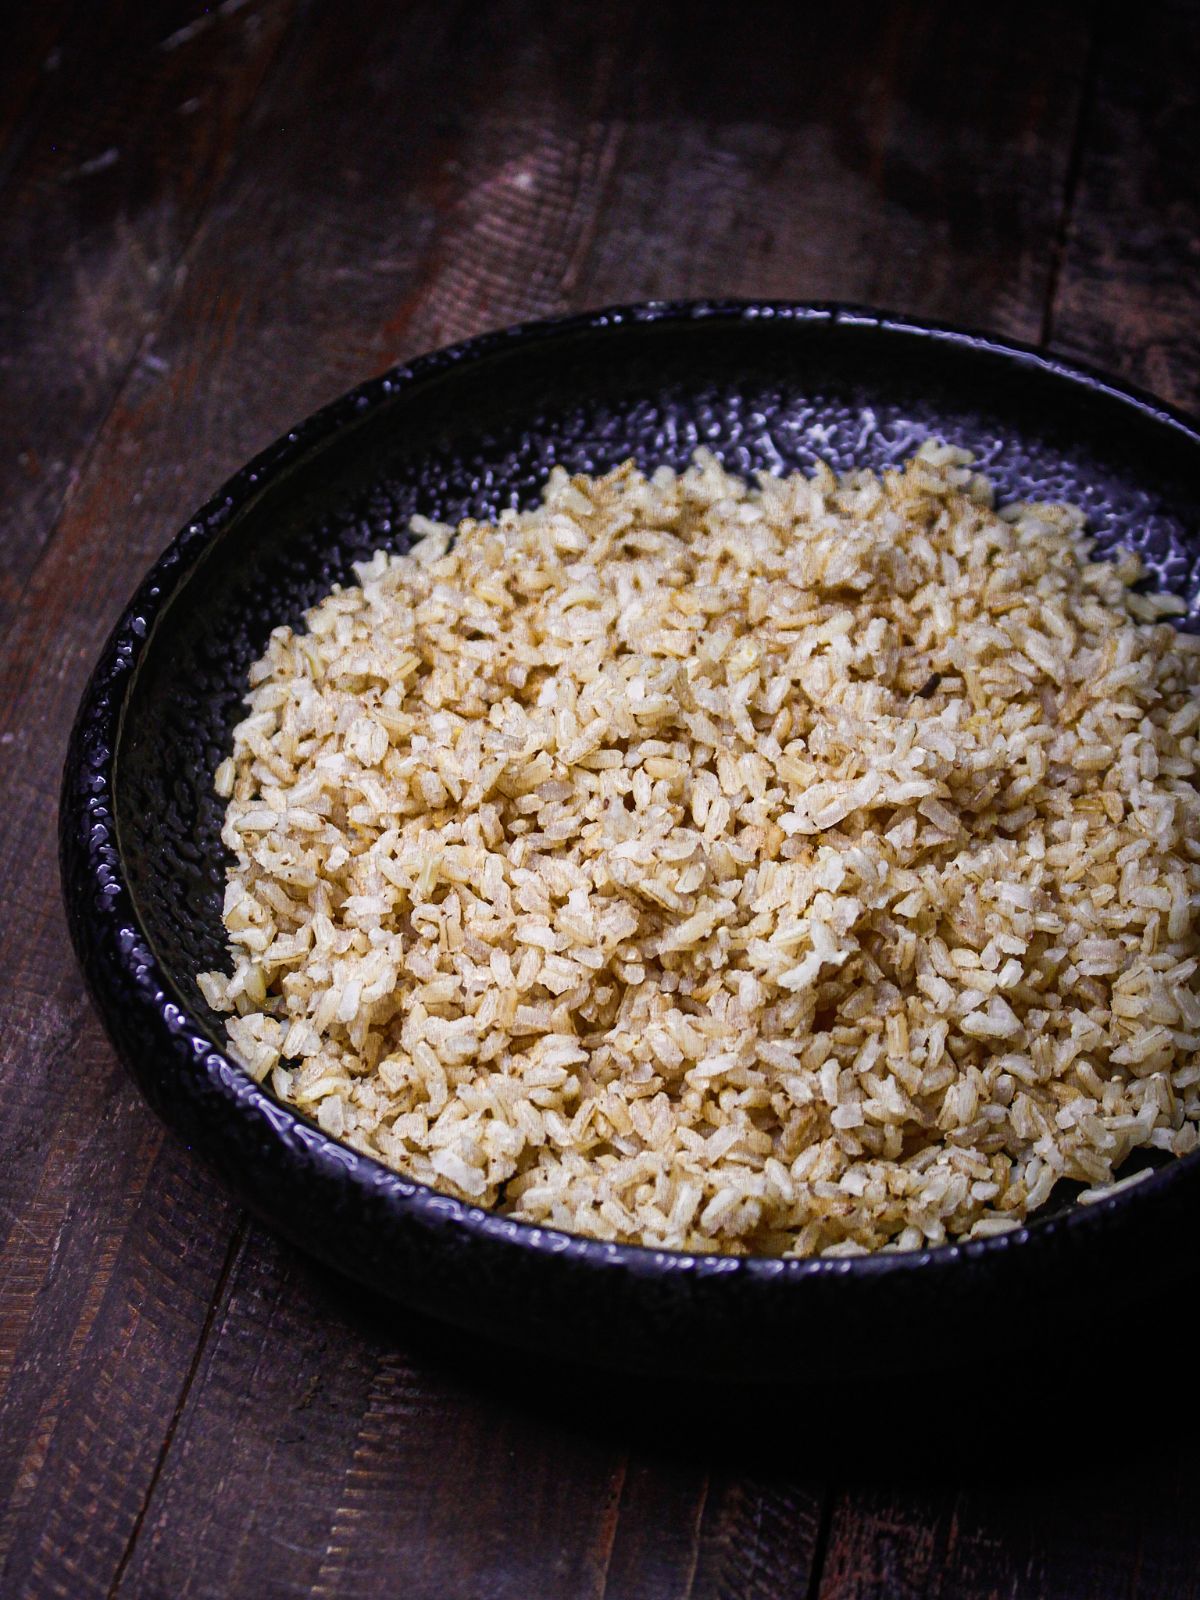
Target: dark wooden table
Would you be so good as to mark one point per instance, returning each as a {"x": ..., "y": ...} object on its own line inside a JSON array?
[{"x": 214, "y": 218}]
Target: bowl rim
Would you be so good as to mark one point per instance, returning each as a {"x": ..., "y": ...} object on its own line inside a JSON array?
[{"x": 101, "y": 909}]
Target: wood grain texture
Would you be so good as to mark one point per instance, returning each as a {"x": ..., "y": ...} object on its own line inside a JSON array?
[
  {"x": 256, "y": 299},
  {"x": 1036, "y": 1526},
  {"x": 187, "y": 1407},
  {"x": 1114, "y": 1520},
  {"x": 105, "y": 1278},
  {"x": 355, "y": 1459},
  {"x": 912, "y": 157},
  {"x": 549, "y": 165},
  {"x": 32, "y": 58},
  {"x": 1129, "y": 291},
  {"x": 124, "y": 144}
]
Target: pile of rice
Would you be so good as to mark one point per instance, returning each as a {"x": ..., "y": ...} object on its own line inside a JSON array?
[{"x": 808, "y": 867}]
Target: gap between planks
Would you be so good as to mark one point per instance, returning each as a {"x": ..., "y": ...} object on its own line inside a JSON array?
[
  {"x": 237, "y": 1240},
  {"x": 1083, "y": 121},
  {"x": 816, "y": 1573}
]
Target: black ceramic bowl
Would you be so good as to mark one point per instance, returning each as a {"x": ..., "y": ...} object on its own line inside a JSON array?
[{"x": 468, "y": 431}]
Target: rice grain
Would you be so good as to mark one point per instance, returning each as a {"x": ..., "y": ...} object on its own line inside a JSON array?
[{"x": 805, "y": 867}]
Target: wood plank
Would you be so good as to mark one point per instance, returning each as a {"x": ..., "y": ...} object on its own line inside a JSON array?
[
  {"x": 353, "y": 1453},
  {"x": 94, "y": 1439},
  {"x": 759, "y": 1533},
  {"x": 126, "y": 140},
  {"x": 96, "y": 1284},
  {"x": 108, "y": 1330},
  {"x": 1129, "y": 288},
  {"x": 1108, "y": 1510},
  {"x": 544, "y": 177},
  {"x": 711, "y": 1508},
  {"x": 662, "y": 1518},
  {"x": 517, "y": 233},
  {"x": 912, "y": 157},
  {"x": 33, "y": 56},
  {"x": 1034, "y": 1517}
]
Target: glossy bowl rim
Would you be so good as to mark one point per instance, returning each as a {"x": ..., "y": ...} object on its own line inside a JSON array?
[{"x": 101, "y": 907}]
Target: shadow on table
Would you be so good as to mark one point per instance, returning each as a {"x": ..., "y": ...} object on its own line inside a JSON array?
[{"x": 1100, "y": 1391}]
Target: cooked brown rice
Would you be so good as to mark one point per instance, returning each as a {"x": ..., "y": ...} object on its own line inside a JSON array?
[{"x": 801, "y": 868}]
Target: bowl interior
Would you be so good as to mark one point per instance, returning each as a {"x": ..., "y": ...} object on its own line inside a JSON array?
[{"x": 470, "y": 436}]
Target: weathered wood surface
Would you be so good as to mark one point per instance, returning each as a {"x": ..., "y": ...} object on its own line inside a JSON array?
[{"x": 214, "y": 220}]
